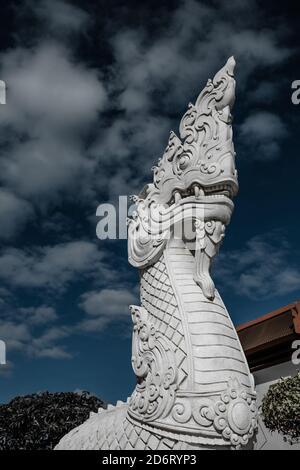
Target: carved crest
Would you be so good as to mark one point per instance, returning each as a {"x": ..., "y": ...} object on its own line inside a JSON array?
[{"x": 204, "y": 153}]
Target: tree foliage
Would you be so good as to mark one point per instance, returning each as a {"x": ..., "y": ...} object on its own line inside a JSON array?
[
  {"x": 39, "y": 421},
  {"x": 281, "y": 408}
]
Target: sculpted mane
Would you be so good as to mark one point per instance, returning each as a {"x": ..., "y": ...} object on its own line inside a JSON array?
[{"x": 204, "y": 154}]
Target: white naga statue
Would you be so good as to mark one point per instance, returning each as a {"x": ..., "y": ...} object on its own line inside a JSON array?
[{"x": 194, "y": 388}]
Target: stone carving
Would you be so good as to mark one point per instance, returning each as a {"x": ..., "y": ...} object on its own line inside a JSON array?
[
  {"x": 235, "y": 414},
  {"x": 205, "y": 154},
  {"x": 154, "y": 364},
  {"x": 194, "y": 388},
  {"x": 209, "y": 235}
]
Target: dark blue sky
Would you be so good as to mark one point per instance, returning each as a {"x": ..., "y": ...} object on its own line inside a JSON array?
[{"x": 93, "y": 91}]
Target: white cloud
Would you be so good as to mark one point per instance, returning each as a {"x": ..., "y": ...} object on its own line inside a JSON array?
[
  {"x": 262, "y": 132},
  {"x": 39, "y": 315},
  {"x": 45, "y": 345},
  {"x": 264, "y": 93},
  {"x": 54, "y": 352},
  {"x": 106, "y": 306},
  {"x": 14, "y": 213},
  {"x": 55, "y": 99},
  {"x": 258, "y": 47},
  {"x": 155, "y": 75},
  {"x": 48, "y": 88},
  {"x": 27, "y": 331},
  {"x": 60, "y": 17},
  {"x": 196, "y": 42},
  {"x": 52, "y": 102},
  {"x": 6, "y": 369},
  {"x": 15, "y": 335},
  {"x": 51, "y": 267},
  {"x": 261, "y": 270},
  {"x": 263, "y": 125},
  {"x": 21, "y": 338}
]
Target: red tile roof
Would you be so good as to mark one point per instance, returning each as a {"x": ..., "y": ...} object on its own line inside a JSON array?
[{"x": 267, "y": 340}]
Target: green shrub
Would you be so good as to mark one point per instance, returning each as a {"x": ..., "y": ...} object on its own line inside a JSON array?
[
  {"x": 281, "y": 408},
  {"x": 39, "y": 421}
]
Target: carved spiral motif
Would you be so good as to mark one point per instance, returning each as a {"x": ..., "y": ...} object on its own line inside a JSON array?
[
  {"x": 233, "y": 415},
  {"x": 203, "y": 414},
  {"x": 236, "y": 414},
  {"x": 182, "y": 412},
  {"x": 154, "y": 365}
]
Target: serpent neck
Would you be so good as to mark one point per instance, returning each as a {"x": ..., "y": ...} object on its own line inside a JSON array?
[
  {"x": 193, "y": 378},
  {"x": 214, "y": 352}
]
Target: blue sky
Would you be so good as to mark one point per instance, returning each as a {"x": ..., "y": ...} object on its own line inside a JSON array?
[{"x": 93, "y": 91}]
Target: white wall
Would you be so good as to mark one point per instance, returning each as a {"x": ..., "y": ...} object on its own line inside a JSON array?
[{"x": 265, "y": 440}]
